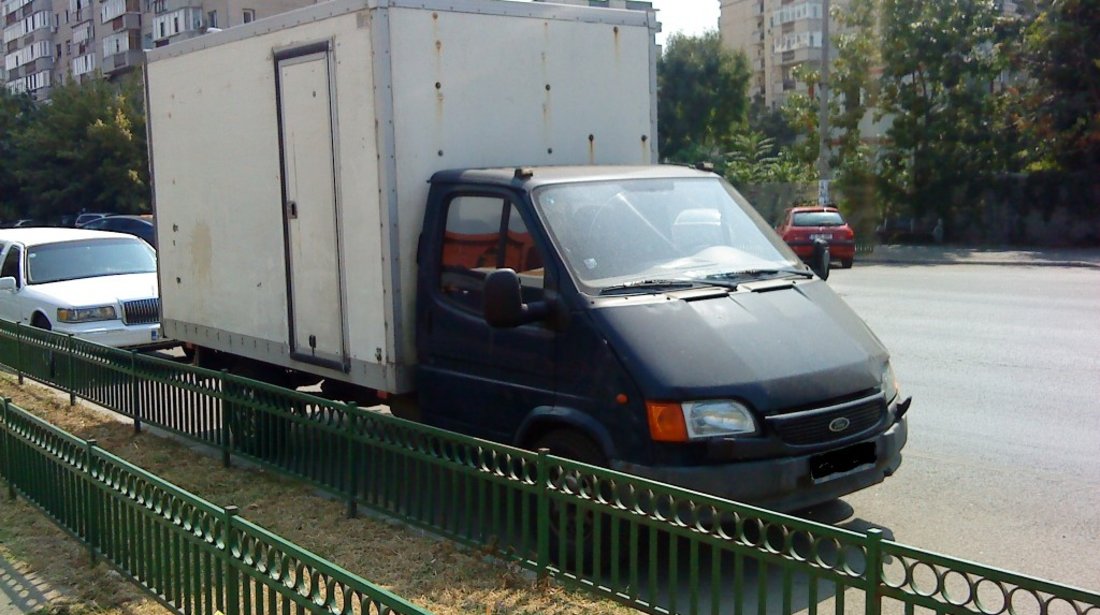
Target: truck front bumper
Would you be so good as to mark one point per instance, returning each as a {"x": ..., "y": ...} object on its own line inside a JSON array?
[{"x": 789, "y": 483}]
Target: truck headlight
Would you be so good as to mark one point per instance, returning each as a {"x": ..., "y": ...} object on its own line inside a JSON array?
[
  {"x": 91, "y": 314},
  {"x": 721, "y": 417},
  {"x": 889, "y": 383},
  {"x": 692, "y": 420}
]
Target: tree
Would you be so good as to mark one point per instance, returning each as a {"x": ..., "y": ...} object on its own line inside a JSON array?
[
  {"x": 772, "y": 123},
  {"x": 1062, "y": 52},
  {"x": 701, "y": 95},
  {"x": 942, "y": 61},
  {"x": 854, "y": 89},
  {"x": 755, "y": 159},
  {"x": 16, "y": 112},
  {"x": 86, "y": 151}
]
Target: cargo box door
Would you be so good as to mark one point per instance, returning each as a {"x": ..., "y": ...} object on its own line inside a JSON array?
[{"x": 314, "y": 279}]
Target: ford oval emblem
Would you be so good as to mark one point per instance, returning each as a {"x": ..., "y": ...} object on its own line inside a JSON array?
[{"x": 839, "y": 424}]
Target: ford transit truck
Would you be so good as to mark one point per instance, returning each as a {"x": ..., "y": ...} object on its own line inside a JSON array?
[{"x": 455, "y": 207}]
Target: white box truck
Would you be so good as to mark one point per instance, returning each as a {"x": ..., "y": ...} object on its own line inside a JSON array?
[{"x": 456, "y": 205}]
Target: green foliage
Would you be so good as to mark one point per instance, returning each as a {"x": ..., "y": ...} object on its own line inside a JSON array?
[
  {"x": 942, "y": 60},
  {"x": 772, "y": 123},
  {"x": 16, "y": 112},
  {"x": 85, "y": 150},
  {"x": 1062, "y": 104},
  {"x": 755, "y": 159},
  {"x": 701, "y": 95}
]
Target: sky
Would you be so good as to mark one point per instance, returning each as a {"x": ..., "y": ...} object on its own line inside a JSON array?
[{"x": 688, "y": 16}]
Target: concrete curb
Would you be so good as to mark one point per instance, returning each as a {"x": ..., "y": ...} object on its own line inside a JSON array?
[
  {"x": 897, "y": 254},
  {"x": 984, "y": 262}
]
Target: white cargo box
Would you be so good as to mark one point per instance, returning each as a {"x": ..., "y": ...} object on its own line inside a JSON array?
[{"x": 291, "y": 157}]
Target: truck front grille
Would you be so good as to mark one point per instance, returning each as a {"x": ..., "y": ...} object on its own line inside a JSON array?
[
  {"x": 829, "y": 423},
  {"x": 141, "y": 312}
]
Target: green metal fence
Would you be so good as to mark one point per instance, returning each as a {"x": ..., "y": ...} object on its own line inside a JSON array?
[
  {"x": 652, "y": 546},
  {"x": 193, "y": 556}
]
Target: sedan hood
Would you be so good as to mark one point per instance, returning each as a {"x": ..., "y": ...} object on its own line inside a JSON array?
[
  {"x": 785, "y": 347},
  {"x": 103, "y": 290}
]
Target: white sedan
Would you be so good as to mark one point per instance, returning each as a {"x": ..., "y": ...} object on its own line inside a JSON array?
[{"x": 96, "y": 285}]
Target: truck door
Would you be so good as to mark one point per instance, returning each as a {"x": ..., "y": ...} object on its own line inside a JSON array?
[
  {"x": 315, "y": 294},
  {"x": 471, "y": 377}
]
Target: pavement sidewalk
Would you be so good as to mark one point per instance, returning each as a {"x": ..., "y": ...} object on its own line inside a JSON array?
[{"x": 958, "y": 255}]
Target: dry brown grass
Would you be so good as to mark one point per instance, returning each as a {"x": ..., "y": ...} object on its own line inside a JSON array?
[{"x": 429, "y": 572}]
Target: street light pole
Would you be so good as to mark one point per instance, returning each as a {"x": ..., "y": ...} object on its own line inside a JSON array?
[{"x": 823, "y": 120}]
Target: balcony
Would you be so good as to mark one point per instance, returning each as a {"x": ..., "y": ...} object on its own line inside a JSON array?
[
  {"x": 39, "y": 65},
  {"x": 111, "y": 10},
  {"x": 128, "y": 21},
  {"x": 41, "y": 34},
  {"x": 167, "y": 6},
  {"x": 121, "y": 62},
  {"x": 799, "y": 56}
]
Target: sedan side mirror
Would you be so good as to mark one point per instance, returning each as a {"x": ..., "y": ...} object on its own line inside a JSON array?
[
  {"x": 8, "y": 284},
  {"x": 504, "y": 306}
]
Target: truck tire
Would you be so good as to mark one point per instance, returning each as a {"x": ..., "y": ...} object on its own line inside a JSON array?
[
  {"x": 572, "y": 527},
  {"x": 259, "y": 433}
]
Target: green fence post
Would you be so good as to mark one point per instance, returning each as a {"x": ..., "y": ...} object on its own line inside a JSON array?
[
  {"x": 874, "y": 571},
  {"x": 542, "y": 561},
  {"x": 92, "y": 532},
  {"x": 19, "y": 351},
  {"x": 134, "y": 414},
  {"x": 227, "y": 408},
  {"x": 232, "y": 584},
  {"x": 351, "y": 473},
  {"x": 72, "y": 376},
  {"x": 7, "y": 449}
]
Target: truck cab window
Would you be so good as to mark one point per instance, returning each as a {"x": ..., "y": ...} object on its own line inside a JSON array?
[
  {"x": 10, "y": 269},
  {"x": 482, "y": 234}
]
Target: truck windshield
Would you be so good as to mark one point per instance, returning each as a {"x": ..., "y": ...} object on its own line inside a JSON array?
[
  {"x": 72, "y": 260},
  {"x": 612, "y": 233}
]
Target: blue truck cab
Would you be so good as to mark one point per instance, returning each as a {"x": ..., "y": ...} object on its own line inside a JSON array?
[{"x": 647, "y": 319}]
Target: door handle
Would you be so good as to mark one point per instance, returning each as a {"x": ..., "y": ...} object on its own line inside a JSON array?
[{"x": 291, "y": 210}]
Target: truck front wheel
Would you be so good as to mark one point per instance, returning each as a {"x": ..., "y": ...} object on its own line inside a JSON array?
[{"x": 573, "y": 526}]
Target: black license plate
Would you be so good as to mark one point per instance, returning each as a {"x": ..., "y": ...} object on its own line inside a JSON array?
[{"x": 842, "y": 460}]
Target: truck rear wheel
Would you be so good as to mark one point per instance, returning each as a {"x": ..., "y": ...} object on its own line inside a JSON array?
[{"x": 262, "y": 433}]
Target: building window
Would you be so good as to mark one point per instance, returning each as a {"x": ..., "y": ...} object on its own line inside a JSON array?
[
  {"x": 212, "y": 19},
  {"x": 249, "y": 15}
]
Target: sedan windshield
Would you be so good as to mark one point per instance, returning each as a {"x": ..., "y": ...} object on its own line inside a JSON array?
[
  {"x": 72, "y": 260},
  {"x": 623, "y": 233}
]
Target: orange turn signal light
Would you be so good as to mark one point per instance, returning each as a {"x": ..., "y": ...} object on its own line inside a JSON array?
[{"x": 666, "y": 421}]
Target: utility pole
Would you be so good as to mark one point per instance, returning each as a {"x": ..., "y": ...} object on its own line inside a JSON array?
[{"x": 823, "y": 171}]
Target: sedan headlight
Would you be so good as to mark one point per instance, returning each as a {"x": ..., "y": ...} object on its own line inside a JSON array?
[
  {"x": 717, "y": 418},
  {"x": 889, "y": 383},
  {"x": 91, "y": 314}
]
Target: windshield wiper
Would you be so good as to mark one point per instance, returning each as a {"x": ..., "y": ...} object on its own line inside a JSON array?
[
  {"x": 649, "y": 284},
  {"x": 758, "y": 273}
]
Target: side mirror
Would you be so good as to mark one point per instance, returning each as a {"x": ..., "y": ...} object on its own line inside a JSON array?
[
  {"x": 819, "y": 263},
  {"x": 8, "y": 284},
  {"x": 504, "y": 306}
]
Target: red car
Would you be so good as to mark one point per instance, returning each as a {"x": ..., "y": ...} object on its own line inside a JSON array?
[{"x": 802, "y": 225}]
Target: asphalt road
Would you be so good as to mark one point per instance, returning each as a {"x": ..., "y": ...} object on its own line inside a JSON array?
[{"x": 1003, "y": 461}]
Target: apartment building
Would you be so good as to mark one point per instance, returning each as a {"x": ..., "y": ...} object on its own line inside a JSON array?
[
  {"x": 49, "y": 42},
  {"x": 777, "y": 36}
]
